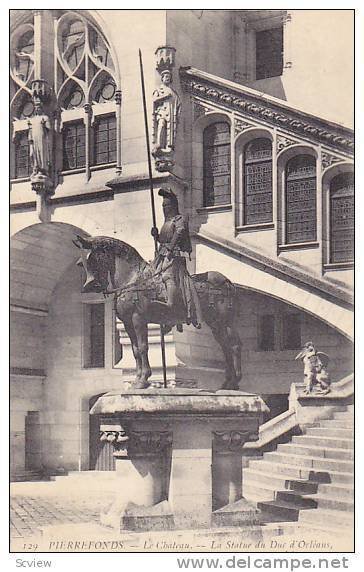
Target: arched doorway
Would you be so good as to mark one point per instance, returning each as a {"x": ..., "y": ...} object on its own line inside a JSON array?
[{"x": 39, "y": 257}]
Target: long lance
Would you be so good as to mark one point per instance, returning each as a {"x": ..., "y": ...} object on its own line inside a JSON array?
[{"x": 163, "y": 347}]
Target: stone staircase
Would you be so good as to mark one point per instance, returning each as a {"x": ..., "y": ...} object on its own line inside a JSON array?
[{"x": 310, "y": 479}]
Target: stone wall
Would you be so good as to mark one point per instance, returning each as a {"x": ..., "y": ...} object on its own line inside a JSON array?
[{"x": 264, "y": 372}]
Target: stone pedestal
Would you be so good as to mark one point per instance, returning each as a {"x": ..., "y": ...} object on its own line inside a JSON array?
[{"x": 179, "y": 456}]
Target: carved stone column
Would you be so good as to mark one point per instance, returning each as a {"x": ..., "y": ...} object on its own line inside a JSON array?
[
  {"x": 228, "y": 462},
  {"x": 142, "y": 476},
  {"x": 118, "y": 99},
  {"x": 87, "y": 119}
]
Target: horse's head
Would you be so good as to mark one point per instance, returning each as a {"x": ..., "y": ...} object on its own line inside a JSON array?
[{"x": 98, "y": 261}]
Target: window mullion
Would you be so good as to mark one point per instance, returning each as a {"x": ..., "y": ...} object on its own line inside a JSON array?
[{"x": 88, "y": 158}]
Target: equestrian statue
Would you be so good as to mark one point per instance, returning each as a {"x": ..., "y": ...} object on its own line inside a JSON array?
[{"x": 163, "y": 291}]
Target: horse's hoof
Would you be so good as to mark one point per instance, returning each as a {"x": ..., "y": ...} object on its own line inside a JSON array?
[
  {"x": 141, "y": 384},
  {"x": 230, "y": 386}
]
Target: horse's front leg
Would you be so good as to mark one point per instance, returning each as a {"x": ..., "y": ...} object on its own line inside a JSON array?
[
  {"x": 130, "y": 330},
  {"x": 235, "y": 345},
  {"x": 141, "y": 331}
]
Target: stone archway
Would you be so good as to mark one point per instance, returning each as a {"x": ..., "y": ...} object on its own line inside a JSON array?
[{"x": 39, "y": 255}]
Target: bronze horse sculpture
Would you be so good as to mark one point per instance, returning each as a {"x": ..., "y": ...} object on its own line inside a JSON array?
[{"x": 114, "y": 267}]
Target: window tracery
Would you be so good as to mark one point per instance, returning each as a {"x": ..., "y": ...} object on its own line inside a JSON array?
[
  {"x": 342, "y": 218},
  {"x": 258, "y": 201},
  {"x": 216, "y": 167},
  {"x": 301, "y": 199}
]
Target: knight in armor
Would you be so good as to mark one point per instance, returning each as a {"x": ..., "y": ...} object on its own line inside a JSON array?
[{"x": 170, "y": 264}]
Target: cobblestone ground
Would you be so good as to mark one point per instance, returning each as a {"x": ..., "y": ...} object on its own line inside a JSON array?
[{"x": 34, "y": 505}]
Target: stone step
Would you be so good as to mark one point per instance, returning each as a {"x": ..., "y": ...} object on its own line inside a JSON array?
[
  {"x": 296, "y": 472},
  {"x": 253, "y": 477},
  {"x": 337, "y": 424},
  {"x": 317, "y": 441},
  {"x": 332, "y": 503},
  {"x": 312, "y": 462},
  {"x": 282, "y": 509},
  {"x": 318, "y": 500},
  {"x": 327, "y": 453},
  {"x": 296, "y": 499},
  {"x": 262, "y": 487},
  {"x": 28, "y": 475},
  {"x": 85, "y": 475},
  {"x": 259, "y": 492},
  {"x": 343, "y": 415},
  {"x": 324, "y": 517},
  {"x": 337, "y": 491},
  {"x": 326, "y": 432}
]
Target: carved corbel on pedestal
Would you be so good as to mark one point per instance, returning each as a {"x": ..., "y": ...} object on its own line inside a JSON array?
[
  {"x": 117, "y": 435},
  {"x": 166, "y": 111},
  {"x": 144, "y": 443},
  {"x": 131, "y": 444},
  {"x": 232, "y": 441}
]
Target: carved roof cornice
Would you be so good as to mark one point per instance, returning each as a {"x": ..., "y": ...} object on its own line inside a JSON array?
[{"x": 270, "y": 110}]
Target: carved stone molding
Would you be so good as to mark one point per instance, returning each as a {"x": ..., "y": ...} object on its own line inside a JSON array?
[
  {"x": 327, "y": 160},
  {"x": 240, "y": 125},
  {"x": 129, "y": 443},
  {"x": 283, "y": 142},
  {"x": 117, "y": 435},
  {"x": 149, "y": 442},
  {"x": 199, "y": 109},
  {"x": 271, "y": 112},
  {"x": 232, "y": 441}
]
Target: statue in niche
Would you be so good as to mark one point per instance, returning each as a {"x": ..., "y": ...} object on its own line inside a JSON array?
[
  {"x": 316, "y": 376},
  {"x": 40, "y": 141},
  {"x": 166, "y": 113}
]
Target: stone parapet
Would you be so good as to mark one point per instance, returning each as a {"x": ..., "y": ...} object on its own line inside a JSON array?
[{"x": 179, "y": 400}]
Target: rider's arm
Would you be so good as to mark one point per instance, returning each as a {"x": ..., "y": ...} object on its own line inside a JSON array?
[{"x": 179, "y": 229}]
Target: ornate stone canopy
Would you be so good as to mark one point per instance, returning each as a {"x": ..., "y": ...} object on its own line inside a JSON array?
[{"x": 211, "y": 91}]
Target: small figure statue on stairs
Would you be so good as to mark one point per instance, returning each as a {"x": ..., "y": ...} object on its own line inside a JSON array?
[{"x": 316, "y": 376}]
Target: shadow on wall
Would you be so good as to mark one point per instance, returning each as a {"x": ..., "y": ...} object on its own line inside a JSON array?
[{"x": 271, "y": 86}]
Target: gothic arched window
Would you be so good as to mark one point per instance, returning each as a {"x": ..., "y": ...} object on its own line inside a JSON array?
[
  {"x": 22, "y": 108},
  {"x": 86, "y": 87},
  {"x": 342, "y": 218},
  {"x": 77, "y": 65},
  {"x": 22, "y": 159},
  {"x": 258, "y": 204},
  {"x": 216, "y": 164},
  {"x": 301, "y": 199}
]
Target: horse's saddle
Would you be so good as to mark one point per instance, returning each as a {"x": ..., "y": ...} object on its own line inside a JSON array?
[{"x": 150, "y": 285}]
